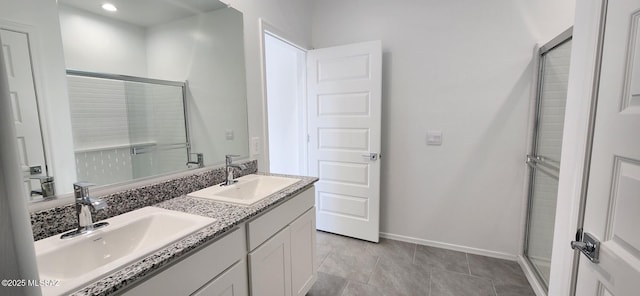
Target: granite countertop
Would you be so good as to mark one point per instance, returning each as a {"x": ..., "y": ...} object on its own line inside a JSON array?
[{"x": 228, "y": 216}]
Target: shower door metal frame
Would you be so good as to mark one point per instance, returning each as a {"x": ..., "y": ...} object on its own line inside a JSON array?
[
  {"x": 536, "y": 163},
  {"x": 182, "y": 85}
]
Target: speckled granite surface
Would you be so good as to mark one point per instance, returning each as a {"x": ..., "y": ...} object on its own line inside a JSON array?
[
  {"x": 58, "y": 220},
  {"x": 228, "y": 216}
]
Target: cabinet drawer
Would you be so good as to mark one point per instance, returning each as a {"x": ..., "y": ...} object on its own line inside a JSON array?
[
  {"x": 233, "y": 282},
  {"x": 265, "y": 226},
  {"x": 188, "y": 275}
]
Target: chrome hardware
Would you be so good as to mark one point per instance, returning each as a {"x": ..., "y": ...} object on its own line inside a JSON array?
[
  {"x": 372, "y": 156},
  {"x": 228, "y": 171},
  {"x": 47, "y": 186},
  {"x": 199, "y": 162},
  {"x": 588, "y": 245},
  {"x": 534, "y": 160},
  {"x": 149, "y": 148},
  {"x": 35, "y": 170},
  {"x": 84, "y": 207}
]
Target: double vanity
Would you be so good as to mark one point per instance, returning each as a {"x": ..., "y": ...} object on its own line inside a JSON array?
[{"x": 255, "y": 236}]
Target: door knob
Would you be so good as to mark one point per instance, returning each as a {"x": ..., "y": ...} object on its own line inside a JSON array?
[{"x": 588, "y": 245}]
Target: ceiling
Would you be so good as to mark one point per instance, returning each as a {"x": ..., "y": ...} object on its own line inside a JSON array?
[{"x": 147, "y": 13}]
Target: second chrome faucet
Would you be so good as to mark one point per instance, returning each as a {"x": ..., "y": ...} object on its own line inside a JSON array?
[
  {"x": 228, "y": 170},
  {"x": 85, "y": 206}
]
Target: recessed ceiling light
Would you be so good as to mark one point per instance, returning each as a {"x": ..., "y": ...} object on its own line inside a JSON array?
[{"x": 109, "y": 7}]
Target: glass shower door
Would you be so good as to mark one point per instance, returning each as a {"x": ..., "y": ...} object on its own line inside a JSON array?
[
  {"x": 544, "y": 160},
  {"x": 157, "y": 128}
]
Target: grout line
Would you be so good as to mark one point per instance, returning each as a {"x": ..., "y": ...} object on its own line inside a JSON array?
[
  {"x": 345, "y": 287},
  {"x": 374, "y": 270},
  {"x": 468, "y": 264},
  {"x": 415, "y": 250},
  {"x": 430, "y": 281}
]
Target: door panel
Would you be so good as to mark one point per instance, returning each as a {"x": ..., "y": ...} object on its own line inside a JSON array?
[
  {"x": 344, "y": 99},
  {"x": 15, "y": 46},
  {"x": 613, "y": 196}
]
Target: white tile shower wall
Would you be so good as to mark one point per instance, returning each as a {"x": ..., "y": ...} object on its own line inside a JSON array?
[
  {"x": 167, "y": 121},
  {"x": 543, "y": 209},
  {"x": 554, "y": 92},
  {"x": 99, "y": 113},
  {"x": 106, "y": 166},
  {"x": 145, "y": 115}
]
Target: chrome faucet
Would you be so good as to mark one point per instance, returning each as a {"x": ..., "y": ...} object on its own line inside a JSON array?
[
  {"x": 47, "y": 186},
  {"x": 228, "y": 171},
  {"x": 199, "y": 162},
  {"x": 84, "y": 207}
]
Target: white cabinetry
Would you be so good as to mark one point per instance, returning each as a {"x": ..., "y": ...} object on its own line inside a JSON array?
[
  {"x": 303, "y": 252},
  {"x": 271, "y": 266},
  {"x": 281, "y": 253},
  {"x": 282, "y": 263},
  {"x": 216, "y": 266},
  {"x": 233, "y": 282}
]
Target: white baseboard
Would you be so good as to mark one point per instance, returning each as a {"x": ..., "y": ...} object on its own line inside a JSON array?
[
  {"x": 424, "y": 242},
  {"x": 531, "y": 277}
]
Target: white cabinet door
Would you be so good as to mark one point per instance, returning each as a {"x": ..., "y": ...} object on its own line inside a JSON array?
[
  {"x": 270, "y": 266},
  {"x": 232, "y": 282},
  {"x": 613, "y": 197},
  {"x": 303, "y": 244},
  {"x": 344, "y": 91}
]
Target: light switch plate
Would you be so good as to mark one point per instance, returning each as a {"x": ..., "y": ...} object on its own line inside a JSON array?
[
  {"x": 255, "y": 145},
  {"x": 434, "y": 138},
  {"x": 229, "y": 134}
]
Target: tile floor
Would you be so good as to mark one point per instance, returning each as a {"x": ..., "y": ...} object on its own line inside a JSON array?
[{"x": 351, "y": 267}]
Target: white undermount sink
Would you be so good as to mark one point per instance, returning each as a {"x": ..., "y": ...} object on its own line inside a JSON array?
[
  {"x": 249, "y": 189},
  {"x": 77, "y": 261}
]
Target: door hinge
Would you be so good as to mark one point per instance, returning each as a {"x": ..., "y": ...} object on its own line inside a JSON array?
[{"x": 588, "y": 245}]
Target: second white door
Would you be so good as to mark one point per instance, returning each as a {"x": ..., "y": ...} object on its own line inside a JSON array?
[{"x": 344, "y": 117}]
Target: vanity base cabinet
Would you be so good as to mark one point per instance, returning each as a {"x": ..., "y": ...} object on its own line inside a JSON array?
[
  {"x": 283, "y": 265},
  {"x": 303, "y": 253},
  {"x": 199, "y": 269},
  {"x": 270, "y": 266},
  {"x": 271, "y": 255}
]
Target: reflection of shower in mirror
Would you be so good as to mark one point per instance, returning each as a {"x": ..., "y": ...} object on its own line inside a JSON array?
[{"x": 126, "y": 127}]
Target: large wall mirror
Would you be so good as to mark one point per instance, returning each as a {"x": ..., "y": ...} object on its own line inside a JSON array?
[{"x": 147, "y": 84}]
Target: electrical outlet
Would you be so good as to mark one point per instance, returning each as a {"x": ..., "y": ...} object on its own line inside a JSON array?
[
  {"x": 434, "y": 138},
  {"x": 255, "y": 145},
  {"x": 229, "y": 134}
]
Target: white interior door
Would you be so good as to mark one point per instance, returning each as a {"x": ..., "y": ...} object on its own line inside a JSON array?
[
  {"x": 15, "y": 46},
  {"x": 344, "y": 105},
  {"x": 612, "y": 212}
]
